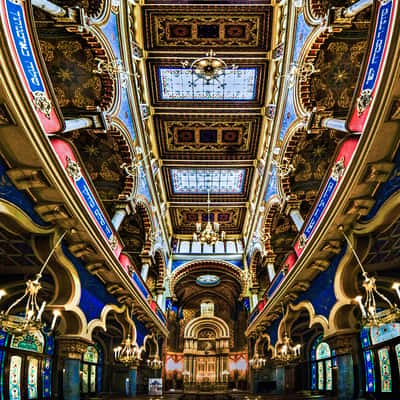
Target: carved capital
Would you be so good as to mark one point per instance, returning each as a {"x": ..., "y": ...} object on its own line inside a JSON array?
[
  {"x": 71, "y": 347},
  {"x": 342, "y": 343},
  {"x": 337, "y": 20}
]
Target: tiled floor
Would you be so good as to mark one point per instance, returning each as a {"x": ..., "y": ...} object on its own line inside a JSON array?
[{"x": 236, "y": 396}]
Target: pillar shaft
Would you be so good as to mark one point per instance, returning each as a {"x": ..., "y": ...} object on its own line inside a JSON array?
[
  {"x": 345, "y": 377},
  {"x": 271, "y": 271},
  {"x": 71, "y": 379},
  {"x": 145, "y": 271},
  {"x": 297, "y": 218},
  {"x": 118, "y": 218},
  {"x": 132, "y": 382},
  {"x": 160, "y": 300},
  {"x": 334, "y": 123},
  {"x": 49, "y": 7},
  {"x": 356, "y": 8},
  {"x": 77, "y": 123}
]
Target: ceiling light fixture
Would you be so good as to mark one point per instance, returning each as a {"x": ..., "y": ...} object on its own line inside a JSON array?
[
  {"x": 257, "y": 362},
  {"x": 155, "y": 362},
  {"x": 369, "y": 315},
  {"x": 210, "y": 234},
  {"x": 31, "y": 320},
  {"x": 287, "y": 352},
  {"x": 128, "y": 352},
  {"x": 209, "y": 67}
]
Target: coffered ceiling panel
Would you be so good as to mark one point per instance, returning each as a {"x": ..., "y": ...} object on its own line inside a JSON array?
[
  {"x": 200, "y": 27},
  {"x": 206, "y": 137},
  {"x": 230, "y": 218}
]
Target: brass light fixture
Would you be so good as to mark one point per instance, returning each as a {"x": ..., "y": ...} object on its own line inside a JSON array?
[
  {"x": 370, "y": 316},
  {"x": 31, "y": 320},
  {"x": 155, "y": 363},
  {"x": 128, "y": 352},
  {"x": 210, "y": 234},
  {"x": 287, "y": 352},
  {"x": 257, "y": 362},
  {"x": 209, "y": 67}
]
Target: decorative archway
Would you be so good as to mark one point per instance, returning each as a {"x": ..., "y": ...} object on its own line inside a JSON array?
[{"x": 206, "y": 350}]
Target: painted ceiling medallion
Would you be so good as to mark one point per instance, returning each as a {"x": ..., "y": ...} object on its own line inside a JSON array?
[
  {"x": 209, "y": 67},
  {"x": 208, "y": 280}
]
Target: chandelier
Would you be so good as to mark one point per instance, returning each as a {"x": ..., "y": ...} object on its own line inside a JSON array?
[
  {"x": 155, "y": 363},
  {"x": 210, "y": 234},
  {"x": 127, "y": 353},
  {"x": 369, "y": 315},
  {"x": 209, "y": 67},
  {"x": 31, "y": 320},
  {"x": 257, "y": 362},
  {"x": 287, "y": 351}
]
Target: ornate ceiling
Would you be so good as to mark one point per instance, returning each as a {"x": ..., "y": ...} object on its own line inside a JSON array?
[{"x": 206, "y": 134}]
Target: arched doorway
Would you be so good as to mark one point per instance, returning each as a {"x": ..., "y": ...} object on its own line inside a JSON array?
[{"x": 206, "y": 351}]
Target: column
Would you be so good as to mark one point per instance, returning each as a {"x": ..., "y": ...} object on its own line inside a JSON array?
[
  {"x": 356, "y": 8},
  {"x": 160, "y": 298},
  {"x": 132, "y": 381},
  {"x": 296, "y": 218},
  {"x": 280, "y": 379},
  {"x": 254, "y": 296},
  {"x": 49, "y": 7},
  {"x": 77, "y": 123},
  {"x": 118, "y": 217},
  {"x": 70, "y": 352},
  {"x": 343, "y": 345},
  {"x": 334, "y": 123},
  {"x": 145, "y": 271},
  {"x": 271, "y": 270}
]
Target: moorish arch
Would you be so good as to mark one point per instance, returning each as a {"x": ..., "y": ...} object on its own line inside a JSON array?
[{"x": 206, "y": 348}]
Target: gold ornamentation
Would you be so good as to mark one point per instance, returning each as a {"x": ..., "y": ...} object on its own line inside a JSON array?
[
  {"x": 113, "y": 242},
  {"x": 42, "y": 103},
  {"x": 302, "y": 241},
  {"x": 115, "y": 6},
  {"x": 73, "y": 169},
  {"x": 364, "y": 101},
  {"x": 338, "y": 169},
  {"x": 71, "y": 348}
]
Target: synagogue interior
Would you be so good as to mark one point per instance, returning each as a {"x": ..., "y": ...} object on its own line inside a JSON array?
[{"x": 199, "y": 199}]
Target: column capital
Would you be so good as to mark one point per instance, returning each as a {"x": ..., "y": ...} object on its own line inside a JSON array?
[
  {"x": 342, "y": 343},
  {"x": 71, "y": 347}
]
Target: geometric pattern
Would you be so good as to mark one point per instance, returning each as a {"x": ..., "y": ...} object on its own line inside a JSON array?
[
  {"x": 206, "y": 136},
  {"x": 203, "y": 26},
  {"x": 200, "y": 181},
  {"x": 184, "y": 84},
  {"x": 229, "y": 218}
]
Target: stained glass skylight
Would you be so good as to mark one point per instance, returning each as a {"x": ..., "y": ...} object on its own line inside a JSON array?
[
  {"x": 184, "y": 84},
  {"x": 199, "y": 181}
]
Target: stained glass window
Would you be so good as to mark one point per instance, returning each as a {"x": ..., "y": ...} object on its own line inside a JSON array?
[
  {"x": 92, "y": 378},
  {"x": 2, "y": 358},
  {"x": 33, "y": 378},
  {"x": 384, "y": 364},
  {"x": 85, "y": 378},
  {"x": 369, "y": 371},
  {"x": 199, "y": 181},
  {"x": 15, "y": 378},
  {"x": 91, "y": 355},
  {"x": 183, "y": 84},
  {"x": 46, "y": 378},
  {"x": 397, "y": 350},
  {"x": 322, "y": 360},
  {"x": 91, "y": 370},
  {"x": 31, "y": 342}
]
